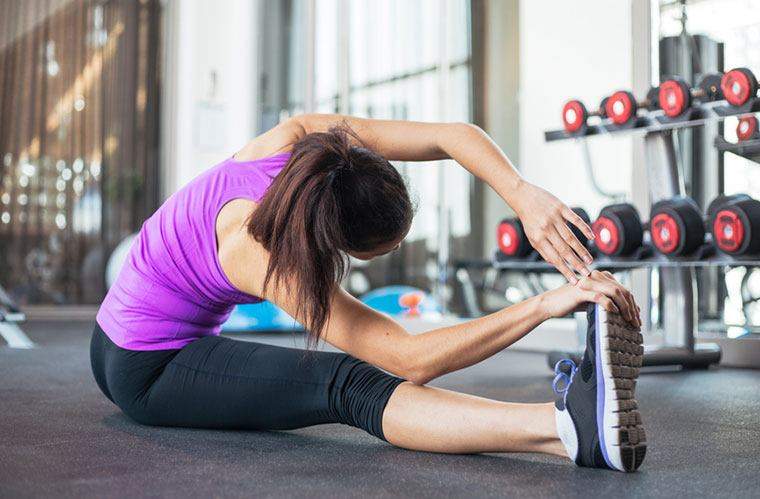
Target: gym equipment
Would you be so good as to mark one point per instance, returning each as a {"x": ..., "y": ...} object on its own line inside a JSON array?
[
  {"x": 117, "y": 258},
  {"x": 261, "y": 317},
  {"x": 677, "y": 300},
  {"x": 622, "y": 107},
  {"x": 739, "y": 86},
  {"x": 747, "y": 128},
  {"x": 735, "y": 224},
  {"x": 676, "y": 226},
  {"x": 618, "y": 230},
  {"x": 675, "y": 96},
  {"x": 397, "y": 301},
  {"x": 511, "y": 239},
  {"x": 513, "y": 243},
  {"x": 402, "y": 301},
  {"x": 575, "y": 114},
  {"x": 10, "y": 318}
]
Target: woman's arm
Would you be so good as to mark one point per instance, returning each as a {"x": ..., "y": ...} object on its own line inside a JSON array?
[
  {"x": 376, "y": 338},
  {"x": 544, "y": 216},
  {"x": 379, "y": 340}
]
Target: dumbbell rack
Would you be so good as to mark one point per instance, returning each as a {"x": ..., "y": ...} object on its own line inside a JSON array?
[
  {"x": 749, "y": 149},
  {"x": 657, "y": 121},
  {"x": 677, "y": 276}
]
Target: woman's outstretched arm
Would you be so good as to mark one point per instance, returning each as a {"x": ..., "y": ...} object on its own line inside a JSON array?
[
  {"x": 379, "y": 340},
  {"x": 376, "y": 338},
  {"x": 544, "y": 216}
]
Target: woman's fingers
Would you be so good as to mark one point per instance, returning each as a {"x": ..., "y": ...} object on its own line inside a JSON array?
[
  {"x": 621, "y": 297},
  {"x": 629, "y": 296},
  {"x": 601, "y": 299},
  {"x": 576, "y": 220},
  {"x": 578, "y": 248},
  {"x": 550, "y": 255},
  {"x": 568, "y": 255}
]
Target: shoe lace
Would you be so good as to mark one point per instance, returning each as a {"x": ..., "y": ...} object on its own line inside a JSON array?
[{"x": 562, "y": 379}]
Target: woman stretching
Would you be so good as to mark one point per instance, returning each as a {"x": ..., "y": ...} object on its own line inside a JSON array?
[{"x": 275, "y": 222}]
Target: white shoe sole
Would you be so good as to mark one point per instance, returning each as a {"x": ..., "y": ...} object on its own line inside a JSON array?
[{"x": 619, "y": 354}]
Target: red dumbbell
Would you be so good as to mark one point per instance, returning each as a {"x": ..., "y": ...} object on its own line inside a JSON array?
[
  {"x": 622, "y": 107},
  {"x": 513, "y": 242},
  {"x": 735, "y": 224},
  {"x": 675, "y": 96},
  {"x": 738, "y": 86},
  {"x": 575, "y": 115},
  {"x": 676, "y": 226},
  {"x": 511, "y": 239},
  {"x": 618, "y": 230},
  {"x": 747, "y": 128}
]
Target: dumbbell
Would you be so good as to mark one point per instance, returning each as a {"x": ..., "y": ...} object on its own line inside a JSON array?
[
  {"x": 675, "y": 95},
  {"x": 676, "y": 226},
  {"x": 618, "y": 230},
  {"x": 747, "y": 128},
  {"x": 513, "y": 243},
  {"x": 575, "y": 114},
  {"x": 734, "y": 222},
  {"x": 622, "y": 107},
  {"x": 511, "y": 239},
  {"x": 738, "y": 85}
]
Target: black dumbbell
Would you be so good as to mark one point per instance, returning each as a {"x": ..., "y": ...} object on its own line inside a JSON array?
[
  {"x": 676, "y": 226},
  {"x": 734, "y": 222},
  {"x": 747, "y": 128},
  {"x": 618, "y": 230},
  {"x": 511, "y": 239},
  {"x": 513, "y": 243},
  {"x": 738, "y": 85},
  {"x": 575, "y": 115},
  {"x": 622, "y": 107},
  {"x": 675, "y": 95}
]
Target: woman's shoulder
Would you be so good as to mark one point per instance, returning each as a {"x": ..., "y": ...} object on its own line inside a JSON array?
[{"x": 277, "y": 141}]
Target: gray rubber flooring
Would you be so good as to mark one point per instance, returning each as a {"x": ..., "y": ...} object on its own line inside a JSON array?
[{"x": 60, "y": 437}]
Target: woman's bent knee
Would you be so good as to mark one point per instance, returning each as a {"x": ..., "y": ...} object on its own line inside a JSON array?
[{"x": 359, "y": 394}]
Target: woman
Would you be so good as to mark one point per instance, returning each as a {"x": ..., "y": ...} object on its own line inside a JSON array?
[{"x": 275, "y": 222}]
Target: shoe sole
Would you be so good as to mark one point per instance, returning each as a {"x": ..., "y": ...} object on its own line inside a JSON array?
[{"x": 619, "y": 353}]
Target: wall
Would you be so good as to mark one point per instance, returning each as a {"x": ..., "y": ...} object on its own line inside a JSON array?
[
  {"x": 210, "y": 92},
  {"x": 572, "y": 50}
]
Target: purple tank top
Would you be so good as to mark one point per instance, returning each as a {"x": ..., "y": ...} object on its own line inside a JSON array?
[{"x": 171, "y": 289}]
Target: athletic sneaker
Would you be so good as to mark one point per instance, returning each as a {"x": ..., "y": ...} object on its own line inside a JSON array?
[{"x": 596, "y": 413}]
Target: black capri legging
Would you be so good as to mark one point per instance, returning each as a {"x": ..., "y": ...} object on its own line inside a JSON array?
[{"x": 217, "y": 382}]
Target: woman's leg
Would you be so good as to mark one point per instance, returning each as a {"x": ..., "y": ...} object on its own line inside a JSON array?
[
  {"x": 222, "y": 383},
  {"x": 436, "y": 420}
]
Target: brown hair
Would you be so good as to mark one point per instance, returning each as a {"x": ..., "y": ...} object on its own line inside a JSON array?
[{"x": 333, "y": 196}]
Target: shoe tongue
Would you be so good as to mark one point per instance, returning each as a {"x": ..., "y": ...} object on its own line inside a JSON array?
[{"x": 587, "y": 368}]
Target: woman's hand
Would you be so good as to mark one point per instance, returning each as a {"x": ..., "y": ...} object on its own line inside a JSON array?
[
  {"x": 545, "y": 218},
  {"x": 599, "y": 287}
]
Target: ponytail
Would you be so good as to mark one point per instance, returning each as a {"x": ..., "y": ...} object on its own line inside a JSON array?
[{"x": 331, "y": 198}]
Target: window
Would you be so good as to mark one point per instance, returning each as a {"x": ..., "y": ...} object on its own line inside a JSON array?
[
  {"x": 78, "y": 141},
  {"x": 735, "y": 23},
  {"x": 397, "y": 59}
]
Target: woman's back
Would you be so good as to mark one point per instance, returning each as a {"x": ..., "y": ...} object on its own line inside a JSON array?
[{"x": 172, "y": 289}]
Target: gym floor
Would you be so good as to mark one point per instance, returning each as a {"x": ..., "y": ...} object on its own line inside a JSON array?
[{"x": 62, "y": 438}]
